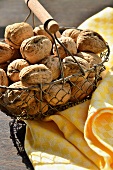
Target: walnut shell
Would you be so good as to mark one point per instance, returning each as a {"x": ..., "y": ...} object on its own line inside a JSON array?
[
  {"x": 36, "y": 48},
  {"x": 70, "y": 45},
  {"x": 35, "y": 74},
  {"x": 37, "y": 108},
  {"x": 3, "y": 80},
  {"x": 53, "y": 64},
  {"x": 18, "y": 32},
  {"x": 6, "y": 52},
  {"x": 90, "y": 41},
  {"x": 90, "y": 57},
  {"x": 41, "y": 31},
  {"x": 14, "y": 69},
  {"x": 93, "y": 60},
  {"x": 71, "y": 67},
  {"x": 81, "y": 90},
  {"x": 23, "y": 102},
  {"x": 58, "y": 94},
  {"x": 18, "y": 97},
  {"x": 71, "y": 32}
]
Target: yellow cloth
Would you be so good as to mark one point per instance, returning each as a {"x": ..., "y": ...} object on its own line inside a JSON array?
[{"x": 80, "y": 137}]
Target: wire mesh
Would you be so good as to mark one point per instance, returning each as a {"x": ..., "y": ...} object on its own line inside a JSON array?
[{"x": 37, "y": 102}]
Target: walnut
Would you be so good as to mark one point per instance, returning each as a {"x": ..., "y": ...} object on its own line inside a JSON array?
[
  {"x": 17, "y": 32},
  {"x": 53, "y": 63},
  {"x": 71, "y": 32},
  {"x": 90, "y": 41},
  {"x": 70, "y": 45},
  {"x": 81, "y": 90},
  {"x": 14, "y": 69},
  {"x": 58, "y": 94},
  {"x": 16, "y": 98},
  {"x": 36, "y": 74},
  {"x": 93, "y": 60},
  {"x": 6, "y": 52},
  {"x": 36, "y": 48},
  {"x": 3, "y": 80},
  {"x": 41, "y": 31},
  {"x": 74, "y": 66}
]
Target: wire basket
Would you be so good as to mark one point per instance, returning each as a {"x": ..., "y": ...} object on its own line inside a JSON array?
[
  {"x": 67, "y": 90},
  {"x": 30, "y": 103}
]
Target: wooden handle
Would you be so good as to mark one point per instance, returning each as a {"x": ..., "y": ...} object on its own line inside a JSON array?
[{"x": 43, "y": 15}]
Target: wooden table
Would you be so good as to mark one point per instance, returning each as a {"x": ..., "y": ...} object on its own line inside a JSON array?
[{"x": 66, "y": 13}]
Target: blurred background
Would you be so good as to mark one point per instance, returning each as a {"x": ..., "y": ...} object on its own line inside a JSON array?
[{"x": 66, "y": 13}]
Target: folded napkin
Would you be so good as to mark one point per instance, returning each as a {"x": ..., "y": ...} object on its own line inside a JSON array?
[{"x": 80, "y": 137}]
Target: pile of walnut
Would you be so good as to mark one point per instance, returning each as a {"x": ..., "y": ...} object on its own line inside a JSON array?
[{"x": 28, "y": 57}]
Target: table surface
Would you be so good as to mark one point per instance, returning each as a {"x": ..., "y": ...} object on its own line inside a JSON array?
[{"x": 66, "y": 13}]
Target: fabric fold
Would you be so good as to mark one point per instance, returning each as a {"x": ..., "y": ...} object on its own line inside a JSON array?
[
  {"x": 80, "y": 137},
  {"x": 102, "y": 22},
  {"x": 98, "y": 130},
  {"x": 58, "y": 138}
]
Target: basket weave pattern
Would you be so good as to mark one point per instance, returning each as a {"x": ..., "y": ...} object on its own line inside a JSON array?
[{"x": 63, "y": 99}]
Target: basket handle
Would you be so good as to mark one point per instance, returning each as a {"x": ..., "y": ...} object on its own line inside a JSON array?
[{"x": 43, "y": 15}]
